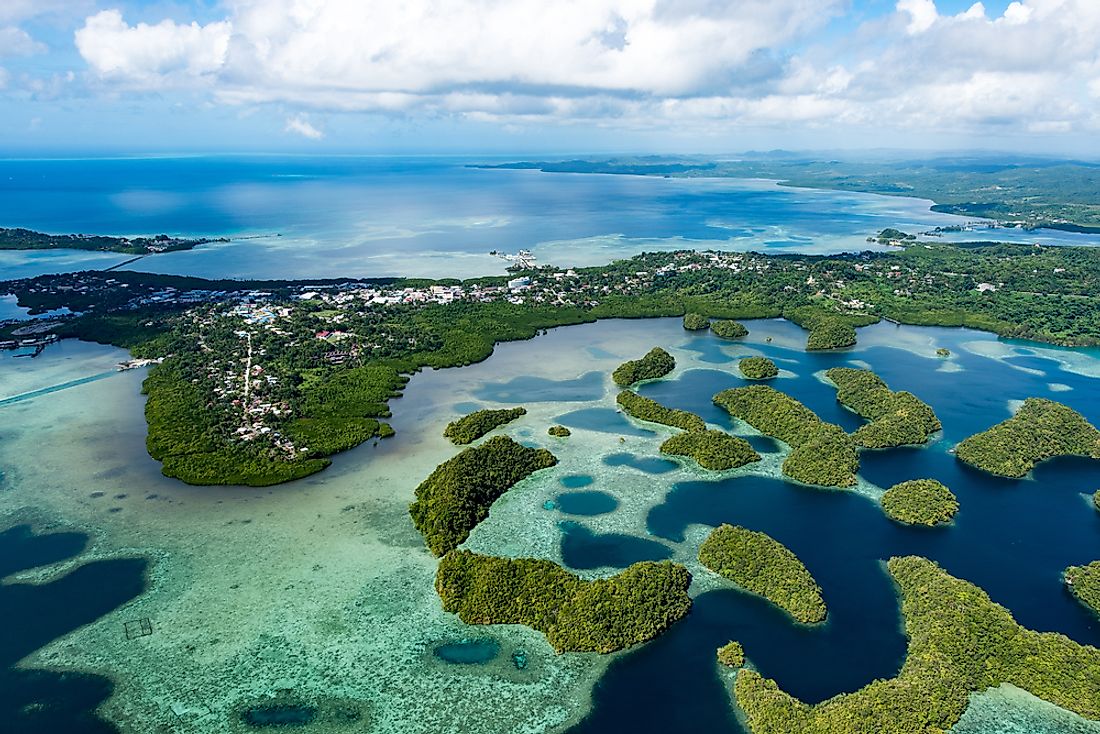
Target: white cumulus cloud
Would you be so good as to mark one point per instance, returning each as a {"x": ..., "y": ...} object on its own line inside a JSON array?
[
  {"x": 1017, "y": 13},
  {"x": 150, "y": 55},
  {"x": 633, "y": 64},
  {"x": 922, "y": 14},
  {"x": 306, "y": 50},
  {"x": 300, "y": 125}
]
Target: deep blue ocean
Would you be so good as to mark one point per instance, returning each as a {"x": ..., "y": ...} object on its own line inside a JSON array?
[{"x": 369, "y": 216}]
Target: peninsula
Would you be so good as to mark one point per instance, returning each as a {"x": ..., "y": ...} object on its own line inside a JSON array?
[
  {"x": 262, "y": 381},
  {"x": 1034, "y": 194},
  {"x": 1084, "y": 583},
  {"x": 25, "y": 239}
]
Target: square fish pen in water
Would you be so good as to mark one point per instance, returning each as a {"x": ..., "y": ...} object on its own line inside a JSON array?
[{"x": 139, "y": 628}]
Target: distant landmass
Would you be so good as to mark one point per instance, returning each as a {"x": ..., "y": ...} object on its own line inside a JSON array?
[
  {"x": 1031, "y": 193},
  {"x": 26, "y": 239}
]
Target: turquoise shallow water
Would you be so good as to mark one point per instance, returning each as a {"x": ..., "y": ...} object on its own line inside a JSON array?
[
  {"x": 362, "y": 216},
  {"x": 319, "y": 594}
]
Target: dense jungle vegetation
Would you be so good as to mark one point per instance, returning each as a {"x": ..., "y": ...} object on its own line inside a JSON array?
[
  {"x": 656, "y": 363},
  {"x": 576, "y": 615},
  {"x": 470, "y": 428},
  {"x": 457, "y": 495},
  {"x": 758, "y": 368},
  {"x": 1041, "y": 429},
  {"x": 193, "y": 442},
  {"x": 714, "y": 450},
  {"x": 897, "y": 418},
  {"x": 1084, "y": 583},
  {"x": 696, "y": 322},
  {"x": 645, "y": 409},
  {"x": 758, "y": 563},
  {"x": 728, "y": 329},
  {"x": 960, "y": 642},
  {"x": 732, "y": 655},
  {"x": 828, "y": 330},
  {"x": 920, "y": 502},
  {"x": 821, "y": 453},
  {"x": 334, "y": 406}
]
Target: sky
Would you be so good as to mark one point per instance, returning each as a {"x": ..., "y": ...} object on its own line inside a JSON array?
[{"x": 549, "y": 76}]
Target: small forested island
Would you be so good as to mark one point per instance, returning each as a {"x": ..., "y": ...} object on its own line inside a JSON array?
[
  {"x": 758, "y": 368},
  {"x": 1041, "y": 429},
  {"x": 457, "y": 495},
  {"x": 714, "y": 450},
  {"x": 732, "y": 655},
  {"x": 696, "y": 322},
  {"x": 656, "y": 363},
  {"x": 828, "y": 330},
  {"x": 758, "y": 563},
  {"x": 25, "y": 239},
  {"x": 645, "y": 409},
  {"x": 728, "y": 329},
  {"x": 576, "y": 615},
  {"x": 559, "y": 431},
  {"x": 262, "y": 381},
  {"x": 1096, "y": 500},
  {"x": 821, "y": 454},
  {"x": 960, "y": 642},
  {"x": 890, "y": 235},
  {"x": 897, "y": 418},
  {"x": 470, "y": 428},
  {"x": 920, "y": 502},
  {"x": 1084, "y": 583}
]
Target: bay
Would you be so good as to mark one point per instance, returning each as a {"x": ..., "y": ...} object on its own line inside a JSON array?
[{"x": 332, "y": 216}]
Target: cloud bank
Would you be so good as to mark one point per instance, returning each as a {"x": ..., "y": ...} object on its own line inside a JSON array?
[{"x": 696, "y": 64}]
